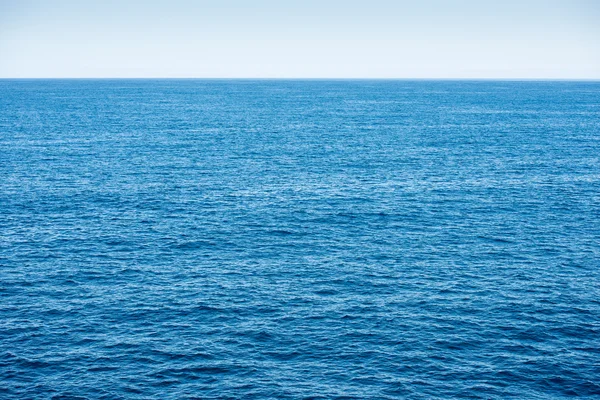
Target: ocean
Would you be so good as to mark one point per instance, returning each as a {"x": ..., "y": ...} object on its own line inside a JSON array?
[{"x": 299, "y": 239}]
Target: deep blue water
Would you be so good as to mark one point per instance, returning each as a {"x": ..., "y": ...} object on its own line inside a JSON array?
[{"x": 299, "y": 239}]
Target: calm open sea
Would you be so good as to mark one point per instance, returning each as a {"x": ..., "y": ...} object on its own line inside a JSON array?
[{"x": 167, "y": 239}]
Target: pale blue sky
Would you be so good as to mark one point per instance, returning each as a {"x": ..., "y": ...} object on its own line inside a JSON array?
[{"x": 536, "y": 39}]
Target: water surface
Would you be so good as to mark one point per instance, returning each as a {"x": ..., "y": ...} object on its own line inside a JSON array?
[{"x": 299, "y": 239}]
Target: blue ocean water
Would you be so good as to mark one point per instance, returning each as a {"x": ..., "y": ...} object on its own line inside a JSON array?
[{"x": 299, "y": 239}]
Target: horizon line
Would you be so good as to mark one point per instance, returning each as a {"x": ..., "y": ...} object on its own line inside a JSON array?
[{"x": 516, "y": 79}]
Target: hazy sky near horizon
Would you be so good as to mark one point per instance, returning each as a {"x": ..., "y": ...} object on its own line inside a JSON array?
[{"x": 558, "y": 39}]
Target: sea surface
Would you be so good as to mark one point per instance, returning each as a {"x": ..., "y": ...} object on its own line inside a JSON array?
[{"x": 239, "y": 239}]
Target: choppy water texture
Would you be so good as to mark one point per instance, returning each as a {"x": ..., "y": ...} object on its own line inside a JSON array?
[{"x": 299, "y": 239}]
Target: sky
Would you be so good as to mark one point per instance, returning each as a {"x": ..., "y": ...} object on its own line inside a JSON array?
[{"x": 508, "y": 39}]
